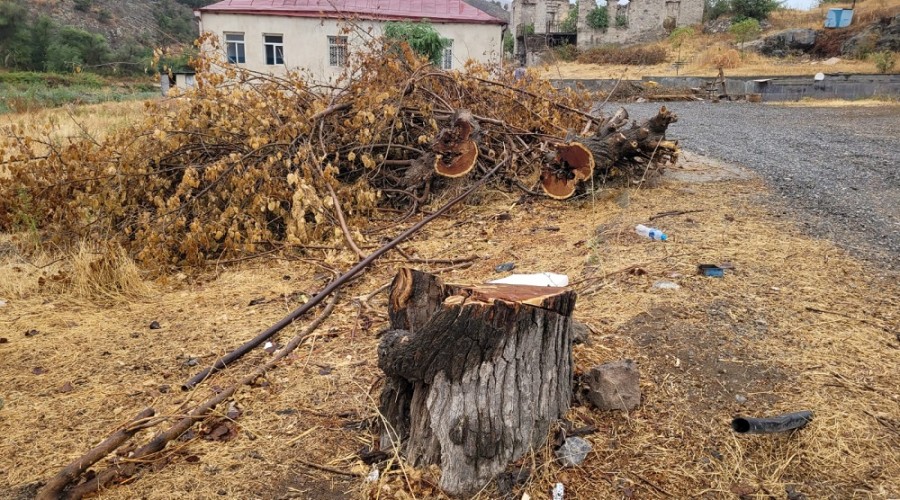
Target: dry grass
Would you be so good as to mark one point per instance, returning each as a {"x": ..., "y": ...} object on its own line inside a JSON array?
[
  {"x": 837, "y": 103},
  {"x": 749, "y": 333},
  {"x": 99, "y": 273},
  {"x": 704, "y": 52},
  {"x": 865, "y": 12},
  {"x": 94, "y": 120}
]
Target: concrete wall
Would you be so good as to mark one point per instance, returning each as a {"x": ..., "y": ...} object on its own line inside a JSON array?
[
  {"x": 306, "y": 40},
  {"x": 646, "y": 20},
  {"x": 778, "y": 88}
]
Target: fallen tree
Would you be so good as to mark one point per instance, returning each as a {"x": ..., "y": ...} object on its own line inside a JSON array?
[{"x": 246, "y": 162}]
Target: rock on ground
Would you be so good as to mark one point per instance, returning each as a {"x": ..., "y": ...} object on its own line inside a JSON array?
[
  {"x": 788, "y": 42},
  {"x": 883, "y": 35},
  {"x": 614, "y": 386}
]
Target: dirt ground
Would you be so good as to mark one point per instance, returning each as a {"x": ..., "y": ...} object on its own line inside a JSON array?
[{"x": 794, "y": 324}]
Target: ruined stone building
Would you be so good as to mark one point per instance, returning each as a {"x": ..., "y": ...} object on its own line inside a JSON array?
[{"x": 539, "y": 24}]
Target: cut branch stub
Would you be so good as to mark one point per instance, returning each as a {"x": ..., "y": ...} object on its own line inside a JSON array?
[
  {"x": 455, "y": 150},
  {"x": 572, "y": 164}
]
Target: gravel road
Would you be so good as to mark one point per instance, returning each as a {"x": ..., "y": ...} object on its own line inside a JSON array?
[{"x": 839, "y": 168}]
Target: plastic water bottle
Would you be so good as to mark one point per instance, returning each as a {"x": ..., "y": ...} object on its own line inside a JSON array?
[{"x": 650, "y": 232}]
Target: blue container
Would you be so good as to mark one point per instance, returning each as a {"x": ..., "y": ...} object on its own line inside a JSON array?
[
  {"x": 711, "y": 270},
  {"x": 838, "y": 18}
]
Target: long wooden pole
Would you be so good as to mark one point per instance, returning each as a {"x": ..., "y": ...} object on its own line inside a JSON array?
[
  {"x": 51, "y": 490},
  {"x": 338, "y": 282},
  {"x": 161, "y": 440}
]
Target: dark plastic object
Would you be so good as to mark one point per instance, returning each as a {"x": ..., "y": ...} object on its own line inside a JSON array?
[
  {"x": 711, "y": 270},
  {"x": 781, "y": 423}
]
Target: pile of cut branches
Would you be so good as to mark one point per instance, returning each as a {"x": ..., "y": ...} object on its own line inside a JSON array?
[{"x": 246, "y": 161}]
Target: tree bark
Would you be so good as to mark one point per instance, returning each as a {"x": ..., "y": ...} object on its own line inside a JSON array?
[
  {"x": 476, "y": 375},
  {"x": 614, "y": 143}
]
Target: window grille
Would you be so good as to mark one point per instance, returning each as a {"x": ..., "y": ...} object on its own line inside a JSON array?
[
  {"x": 447, "y": 59},
  {"x": 337, "y": 51}
]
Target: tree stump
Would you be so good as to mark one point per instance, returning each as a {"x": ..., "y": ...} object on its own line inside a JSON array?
[{"x": 476, "y": 375}]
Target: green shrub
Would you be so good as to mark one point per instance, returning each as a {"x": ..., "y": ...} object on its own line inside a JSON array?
[
  {"x": 613, "y": 54},
  {"x": 83, "y": 5},
  {"x": 509, "y": 43},
  {"x": 681, "y": 35},
  {"x": 884, "y": 61},
  {"x": 566, "y": 52},
  {"x": 621, "y": 21},
  {"x": 745, "y": 30},
  {"x": 598, "y": 18}
]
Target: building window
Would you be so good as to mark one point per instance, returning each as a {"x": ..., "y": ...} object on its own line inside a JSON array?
[
  {"x": 337, "y": 51},
  {"x": 234, "y": 47},
  {"x": 447, "y": 57},
  {"x": 274, "y": 49}
]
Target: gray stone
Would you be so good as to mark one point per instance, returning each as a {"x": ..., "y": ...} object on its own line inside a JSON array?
[
  {"x": 573, "y": 452},
  {"x": 883, "y": 35},
  {"x": 788, "y": 42},
  {"x": 614, "y": 386},
  {"x": 581, "y": 333}
]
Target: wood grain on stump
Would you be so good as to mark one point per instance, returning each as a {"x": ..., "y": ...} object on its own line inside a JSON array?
[{"x": 476, "y": 375}]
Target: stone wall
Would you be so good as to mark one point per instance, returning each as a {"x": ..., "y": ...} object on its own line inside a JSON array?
[{"x": 647, "y": 20}]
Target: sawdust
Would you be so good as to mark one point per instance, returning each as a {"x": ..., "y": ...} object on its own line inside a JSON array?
[{"x": 91, "y": 366}]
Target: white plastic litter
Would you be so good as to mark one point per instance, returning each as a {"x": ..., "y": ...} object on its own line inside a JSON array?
[
  {"x": 539, "y": 279},
  {"x": 268, "y": 345},
  {"x": 373, "y": 475},
  {"x": 559, "y": 492},
  {"x": 819, "y": 77}
]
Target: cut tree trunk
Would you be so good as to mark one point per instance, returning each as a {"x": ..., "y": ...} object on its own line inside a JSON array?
[
  {"x": 476, "y": 375},
  {"x": 613, "y": 145}
]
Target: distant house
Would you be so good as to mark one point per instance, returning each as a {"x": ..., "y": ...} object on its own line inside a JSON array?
[
  {"x": 540, "y": 24},
  {"x": 277, "y": 35}
]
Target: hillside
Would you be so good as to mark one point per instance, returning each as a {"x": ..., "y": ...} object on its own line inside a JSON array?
[{"x": 148, "y": 21}]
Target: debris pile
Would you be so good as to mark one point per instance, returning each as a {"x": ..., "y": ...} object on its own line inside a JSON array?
[{"x": 249, "y": 162}]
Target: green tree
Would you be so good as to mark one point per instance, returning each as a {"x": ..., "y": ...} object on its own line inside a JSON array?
[
  {"x": 740, "y": 9},
  {"x": 598, "y": 18},
  {"x": 570, "y": 23},
  {"x": 509, "y": 44},
  {"x": 679, "y": 36},
  {"x": 745, "y": 30},
  {"x": 73, "y": 48},
  {"x": 41, "y": 35},
  {"x": 13, "y": 33},
  {"x": 422, "y": 38},
  {"x": 174, "y": 20},
  {"x": 753, "y": 9}
]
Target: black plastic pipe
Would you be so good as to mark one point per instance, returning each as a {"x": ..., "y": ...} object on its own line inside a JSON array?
[{"x": 781, "y": 423}]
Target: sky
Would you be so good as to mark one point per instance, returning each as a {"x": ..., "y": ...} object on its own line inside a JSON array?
[{"x": 801, "y": 4}]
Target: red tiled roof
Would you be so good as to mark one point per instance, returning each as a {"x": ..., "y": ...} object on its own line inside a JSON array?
[{"x": 452, "y": 11}]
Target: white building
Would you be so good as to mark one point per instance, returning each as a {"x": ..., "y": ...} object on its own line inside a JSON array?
[{"x": 277, "y": 35}]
